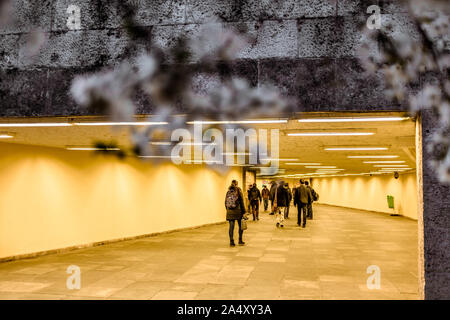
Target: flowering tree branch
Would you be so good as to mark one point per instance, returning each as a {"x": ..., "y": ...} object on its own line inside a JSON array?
[
  {"x": 404, "y": 60},
  {"x": 166, "y": 76}
]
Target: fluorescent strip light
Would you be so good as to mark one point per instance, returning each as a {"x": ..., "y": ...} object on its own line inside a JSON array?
[
  {"x": 322, "y": 172},
  {"x": 91, "y": 149},
  {"x": 6, "y": 136},
  {"x": 274, "y": 159},
  {"x": 384, "y": 161},
  {"x": 160, "y": 157},
  {"x": 134, "y": 123},
  {"x": 321, "y": 167},
  {"x": 370, "y": 157},
  {"x": 329, "y": 172},
  {"x": 325, "y": 134},
  {"x": 237, "y": 122},
  {"x": 302, "y": 164},
  {"x": 236, "y": 154},
  {"x": 367, "y": 119},
  {"x": 390, "y": 165},
  {"x": 65, "y": 124},
  {"x": 356, "y": 149},
  {"x": 17, "y": 125}
]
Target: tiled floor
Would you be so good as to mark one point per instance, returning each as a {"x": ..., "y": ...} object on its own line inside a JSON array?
[{"x": 327, "y": 260}]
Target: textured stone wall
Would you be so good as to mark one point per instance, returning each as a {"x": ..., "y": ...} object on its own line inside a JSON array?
[{"x": 305, "y": 47}]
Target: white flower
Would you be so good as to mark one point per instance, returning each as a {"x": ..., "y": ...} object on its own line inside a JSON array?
[
  {"x": 396, "y": 80},
  {"x": 6, "y": 11},
  {"x": 147, "y": 66},
  {"x": 36, "y": 39},
  {"x": 444, "y": 114},
  {"x": 427, "y": 98},
  {"x": 443, "y": 169},
  {"x": 215, "y": 40}
]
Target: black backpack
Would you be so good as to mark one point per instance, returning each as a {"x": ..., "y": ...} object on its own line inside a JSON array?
[
  {"x": 315, "y": 195},
  {"x": 232, "y": 199}
]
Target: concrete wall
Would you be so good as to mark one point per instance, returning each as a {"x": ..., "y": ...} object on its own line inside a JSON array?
[
  {"x": 369, "y": 193},
  {"x": 306, "y": 47},
  {"x": 52, "y": 198}
]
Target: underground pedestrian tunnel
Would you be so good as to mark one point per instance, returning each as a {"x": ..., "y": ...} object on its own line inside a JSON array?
[{"x": 153, "y": 230}]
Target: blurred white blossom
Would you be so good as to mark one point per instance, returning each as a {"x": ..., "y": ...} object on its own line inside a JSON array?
[
  {"x": 167, "y": 85},
  {"x": 6, "y": 10},
  {"x": 406, "y": 61},
  {"x": 35, "y": 41},
  {"x": 214, "y": 41}
]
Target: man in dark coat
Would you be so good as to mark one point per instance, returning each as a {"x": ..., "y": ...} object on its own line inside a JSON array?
[
  {"x": 235, "y": 214},
  {"x": 273, "y": 187},
  {"x": 309, "y": 206},
  {"x": 302, "y": 197},
  {"x": 265, "y": 193},
  {"x": 281, "y": 200},
  {"x": 254, "y": 197},
  {"x": 286, "y": 209}
]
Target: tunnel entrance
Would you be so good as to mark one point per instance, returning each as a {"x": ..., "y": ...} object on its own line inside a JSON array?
[{"x": 364, "y": 239}]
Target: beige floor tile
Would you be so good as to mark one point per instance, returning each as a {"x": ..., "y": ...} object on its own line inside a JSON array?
[
  {"x": 16, "y": 286},
  {"x": 326, "y": 260}
]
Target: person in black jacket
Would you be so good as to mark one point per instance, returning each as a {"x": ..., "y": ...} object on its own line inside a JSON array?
[
  {"x": 309, "y": 206},
  {"x": 254, "y": 197},
  {"x": 281, "y": 200},
  {"x": 302, "y": 196},
  {"x": 286, "y": 209},
  {"x": 265, "y": 193},
  {"x": 234, "y": 204},
  {"x": 273, "y": 186}
]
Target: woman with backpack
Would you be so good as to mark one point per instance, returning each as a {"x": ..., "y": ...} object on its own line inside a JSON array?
[{"x": 234, "y": 203}]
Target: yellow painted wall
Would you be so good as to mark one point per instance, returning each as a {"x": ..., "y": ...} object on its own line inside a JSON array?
[
  {"x": 369, "y": 193},
  {"x": 52, "y": 198}
]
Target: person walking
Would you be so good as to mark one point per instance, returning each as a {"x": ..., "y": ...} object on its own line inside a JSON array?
[
  {"x": 235, "y": 183},
  {"x": 254, "y": 197},
  {"x": 302, "y": 197},
  {"x": 234, "y": 204},
  {"x": 265, "y": 196},
  {"x": 280, "y": 202},
  {"x": 314, "y": 197},
  {"x": 286, "y": 209},
  {"x": 249, "y": 208},
  {"x": 273, "y": 187}
]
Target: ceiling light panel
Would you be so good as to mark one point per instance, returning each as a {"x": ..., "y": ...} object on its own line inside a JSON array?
[
  {"x": 329, "y": 134},
  {"x": 356, "y": 148},
  {"x": 354, "y": 119}
]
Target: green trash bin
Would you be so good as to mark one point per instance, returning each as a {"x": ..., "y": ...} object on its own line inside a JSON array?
[{"x": 390, "y": 201}]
